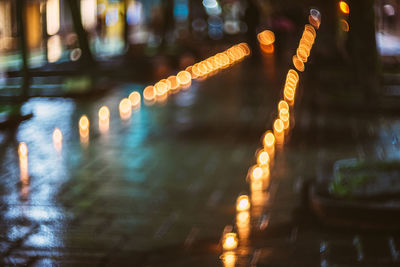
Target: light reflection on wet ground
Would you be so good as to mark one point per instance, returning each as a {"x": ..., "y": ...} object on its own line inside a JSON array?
[{"x": 169, "y": 172}]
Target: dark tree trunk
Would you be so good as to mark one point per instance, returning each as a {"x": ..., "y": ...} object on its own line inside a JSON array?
[
  {"x": 363, "y": 43},
  {"x": 20, "y": 12},
  {"x": 87, "y": 57}
]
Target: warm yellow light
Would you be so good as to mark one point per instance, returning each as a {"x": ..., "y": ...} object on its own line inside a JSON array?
[
  {"x": 266, "y": 37},
  {"x": 344, "y": 7},
  {"x": 245, "y": 47},
  {"x": 344, "y": 25},
  {"x": 174, "y": 82},
  {"x": 311, "y": 29},
  {"x": 161, "y": 88},
  {"x": 269, "y": 139},
  {"x": 135, "y": 98},
  {"x": 283, "y": 105},
  {"x": 263, "y": 157},
  {"x": 84, "y": 123},
  {"x": 53, "y": 16},
  {"x": 294, "y": 73},
  {"x": 104, "y": 113},
  {"x": 149, "y": 93},
  {"x": 267, "y": 49},
  {"x": 299, "y": 65},
  {"x": 196, "y": 71},
  {"x": 257, "y": 173},
  {"x": 184, "y": 78},
  {"x": 57, "y": 137},
  {"x": 230, "y": 241},
  {"x": 242, "y": 203},
  {"x": 125, "y": 108},
  {"x": 302, "y": 54},
  {"x": 284, "y": 116},
  {"x": 278, "y": 126},
  {"x": 308, "y": 36},
  {"x": 228, "y": 259},
  {"x": 54, "y": 48},
  {"x": 22, "y": 150}
]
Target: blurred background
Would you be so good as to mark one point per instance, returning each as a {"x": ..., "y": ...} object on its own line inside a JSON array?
[{"x": 159, "y": 187}]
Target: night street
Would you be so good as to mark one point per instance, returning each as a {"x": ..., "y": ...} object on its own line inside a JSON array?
[{"x": 199, "y": 133}]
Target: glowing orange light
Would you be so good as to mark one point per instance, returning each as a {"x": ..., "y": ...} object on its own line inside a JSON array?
[
  {"x": 184, "y": 78},
  {"x": 104, "y": 113},
  {"x": 57, "y": 139},
  {"x": 84, "y": 130},
  {"x": 104, "y": 119},
  {"x": 243, "y": 225},
  {"x": 23, "y": 162},
  {"x": 344, "y": 25},
  {"x": 135, "y": 98},
  {"x": 174, "y": 82},
  {"x": 242, "y": 203},
  {"x": 230, "y": 241},
  {"x": 196, "y": 72},
  {"x": 284, "y": 116},
  {"x": 314, "y": 21},
  {"x": 269, "y": 139},
  {"x": 299, "y": 65},
  {"x": 311, "y": 29},
  {"x": 302, "y": 54},
  {"x": 308, "y": 36},
  {"x": 344, "y": 7},
  {"x": 161, "y": 88},
  {"x": 22, "y": 150},
  {"x": 125, "y": 108},
  {"x": 149, "y": 93},
  {"x": 267, "y": 49},
  {"x": 245, "y": 47},
  {"x": 278, "y": 126},
  {"x": 263, "y": 157},
  {"x": 266, "y": 37},
  {"x": 84, "y": 123},
  {"x": 294, "y": 73},
  {"x": 228, "y": 259},
  {"x": 283, "y": 105}
]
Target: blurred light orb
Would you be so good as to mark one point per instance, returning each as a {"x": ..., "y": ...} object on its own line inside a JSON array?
[
  {"x": 298, "y": 64},
  {"x": 230, "y": 241},
  {"x": 184, "y": 77},
  {"x": 174, "y": 82},
  {"x": 344, "y": 7},
  {"x": 311, "y": 29},
  {"x": 344, "y": 25},
  {"x": 257, "y": 173},
  {"x": 269, "y": 139},
  {"x": 266, "y": 37},
  {"x": 279, "y": 126},
  {"x": 149, "y": 93},
  {"x": 57, "y": 136},
  {"x": 84, "y": 123},
  {"x": 135, "y": 98},
  {"x": 389, "y": 10},
  {"x": 22, "y": 150},
  {"x": 283, "y": 105},
  {"x": 315, "y": 18},
  {"x": 76, "y": 53},
  {"x": 263, "y": 158},
  {"x": 242, "y": 203},
  {"x": 104, "y": 113},
  {"x": 125, "y": 105},
  {"x": 161, "y": 88}
]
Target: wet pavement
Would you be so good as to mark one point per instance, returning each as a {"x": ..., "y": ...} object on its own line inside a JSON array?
[{"x": 158, "y": 189}]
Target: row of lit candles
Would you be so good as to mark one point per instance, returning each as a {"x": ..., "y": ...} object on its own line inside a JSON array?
[
  {"x": 153, "y": 93},
  {"x": 259, "y": 174}
]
